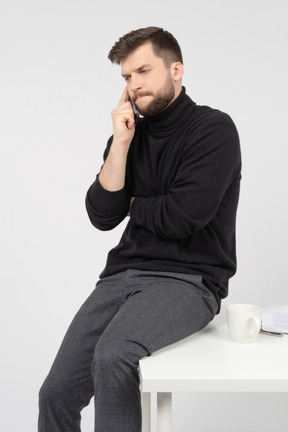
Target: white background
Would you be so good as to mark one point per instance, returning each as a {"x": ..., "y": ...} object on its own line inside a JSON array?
[{"x": 57, "y": 91}]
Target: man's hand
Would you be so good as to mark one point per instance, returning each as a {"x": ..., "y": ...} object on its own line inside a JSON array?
[{"x": 123, "y": 121}]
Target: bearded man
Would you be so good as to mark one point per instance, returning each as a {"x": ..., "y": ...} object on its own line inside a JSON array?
[{"x": 174, "y": 170}]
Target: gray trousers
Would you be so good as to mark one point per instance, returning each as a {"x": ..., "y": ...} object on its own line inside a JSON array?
[{"x": 128, "y": 316}]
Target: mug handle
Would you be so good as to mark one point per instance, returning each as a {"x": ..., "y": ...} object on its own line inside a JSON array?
[{"x": 255, "y": 324}]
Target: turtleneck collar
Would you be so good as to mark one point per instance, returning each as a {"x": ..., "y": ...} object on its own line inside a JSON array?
[{"x": 174, "y": 115}]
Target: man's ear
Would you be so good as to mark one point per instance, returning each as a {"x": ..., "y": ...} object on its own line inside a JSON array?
[{"x": 177, "y": 71}]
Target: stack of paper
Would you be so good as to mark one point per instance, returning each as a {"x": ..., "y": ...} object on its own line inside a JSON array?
[{"x": 275, "y": 320}]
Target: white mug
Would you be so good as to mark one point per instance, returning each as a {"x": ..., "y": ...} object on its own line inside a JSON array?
[{"x": 244, "y": 322}]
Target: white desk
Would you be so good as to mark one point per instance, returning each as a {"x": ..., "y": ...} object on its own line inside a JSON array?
[{"x": 210, "y": 361}]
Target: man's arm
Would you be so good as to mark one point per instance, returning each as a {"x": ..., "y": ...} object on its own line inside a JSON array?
[
  {"x": 112, "y": 175},
  {"x": 204, "y": 176},
  {"x": 107, "y": 201}
]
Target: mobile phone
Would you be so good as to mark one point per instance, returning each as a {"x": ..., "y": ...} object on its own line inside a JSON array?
[{"x": 135, "y": 111}]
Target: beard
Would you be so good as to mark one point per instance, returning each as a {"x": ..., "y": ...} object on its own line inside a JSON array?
[{"x": 162, "y": 99}]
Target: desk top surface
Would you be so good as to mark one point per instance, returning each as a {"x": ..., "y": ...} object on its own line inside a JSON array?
[{"x": 210, "y": 361}]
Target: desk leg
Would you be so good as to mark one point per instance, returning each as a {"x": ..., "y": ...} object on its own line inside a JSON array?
[
  {"x": 164, "y": 412},
  {"x": 146, "y": 412}
]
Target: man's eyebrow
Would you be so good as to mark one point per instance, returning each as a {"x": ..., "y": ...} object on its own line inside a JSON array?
[{"x": 144, "y": 66}]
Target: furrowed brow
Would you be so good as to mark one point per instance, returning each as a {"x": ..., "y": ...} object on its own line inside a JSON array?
[
  {"x": 144, "y": 66},
  {"x": 139, "y": 69}
]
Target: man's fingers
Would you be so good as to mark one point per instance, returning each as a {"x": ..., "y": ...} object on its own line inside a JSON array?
[
  {"x": 124, "y": 111},
  {"x": 130, "y": 122},
  {"x": 123, "y": 114},
  {"x": 123, "y": 97}
]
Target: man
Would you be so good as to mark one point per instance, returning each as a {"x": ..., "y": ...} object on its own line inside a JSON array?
[{"x": 176, "y": 173}]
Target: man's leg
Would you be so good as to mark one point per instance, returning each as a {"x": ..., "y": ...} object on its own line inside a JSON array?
[
  {"x": 69, "y": 386},
  {"x": 159, "y": 309}
]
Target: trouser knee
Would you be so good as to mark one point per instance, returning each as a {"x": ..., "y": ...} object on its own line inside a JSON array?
[
  {"x": 50, "y": 395},
  {"x": 57, "y": 412},
  {"x": 46, "y": 391},
  {"x": 54, "y": 395},
  {"x": 116, "y": 359}
]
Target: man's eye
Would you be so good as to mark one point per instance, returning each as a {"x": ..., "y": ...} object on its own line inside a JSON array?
[{"x": 127, "y": 78}]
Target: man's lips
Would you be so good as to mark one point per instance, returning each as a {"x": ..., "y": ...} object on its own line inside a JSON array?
[{"x": 141, "y": 95}]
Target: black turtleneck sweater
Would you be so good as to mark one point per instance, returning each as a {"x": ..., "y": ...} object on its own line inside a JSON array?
[{"x": 184, "y": 170}]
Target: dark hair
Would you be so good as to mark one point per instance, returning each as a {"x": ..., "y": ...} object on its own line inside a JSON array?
[{"x": 164, "y": 45}]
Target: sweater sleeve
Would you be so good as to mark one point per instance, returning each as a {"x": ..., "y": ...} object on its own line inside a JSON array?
[
  {"x": 106, "y": 209},
  {"x": 207, "y": 169}
]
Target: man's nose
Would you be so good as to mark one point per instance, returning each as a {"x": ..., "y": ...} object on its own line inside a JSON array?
[{"x": 135, "y": 83}]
